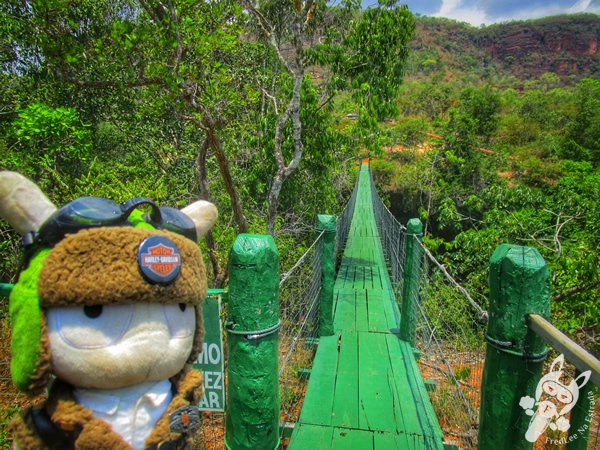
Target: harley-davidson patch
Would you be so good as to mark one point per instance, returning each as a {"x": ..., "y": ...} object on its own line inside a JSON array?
[
  {"x": 159, "y": 260},
  {"x": 184, "y": 419}
]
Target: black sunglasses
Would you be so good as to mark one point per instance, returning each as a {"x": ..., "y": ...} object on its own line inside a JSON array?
[{"x": 93, "y": 212}]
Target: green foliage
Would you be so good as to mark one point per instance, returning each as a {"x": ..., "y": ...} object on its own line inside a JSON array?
[
  {"x": 370, "y": 59},
  {"x": 52, "y": 144},
  {"x": 482, "y": 105},
  {"x": 582, "y": 142},
  {"x": 536, "y": 183}
]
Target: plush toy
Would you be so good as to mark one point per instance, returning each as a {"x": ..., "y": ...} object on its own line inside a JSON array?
[{"x": 106, "y": 314}]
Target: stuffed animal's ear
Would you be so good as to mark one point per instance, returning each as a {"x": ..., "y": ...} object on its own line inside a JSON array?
[
  {"x": 560, "y": 360},
  {"x": 204, "y": 214},
  {"x": 22, "y": 204}
]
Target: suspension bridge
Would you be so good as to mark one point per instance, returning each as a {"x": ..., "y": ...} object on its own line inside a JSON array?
[
  {"x": 365, "y": 389},
  {"x": 368, "y": 342}
]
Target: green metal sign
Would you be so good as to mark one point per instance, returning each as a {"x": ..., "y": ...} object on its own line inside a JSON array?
[{"x": 210, "y": 360}]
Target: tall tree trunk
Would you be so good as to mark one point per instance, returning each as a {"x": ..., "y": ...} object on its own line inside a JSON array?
[
  {"x": 283, "y": 170},
  {"x": 215, "y": 144},
  {"x": 219, "y": 273}
]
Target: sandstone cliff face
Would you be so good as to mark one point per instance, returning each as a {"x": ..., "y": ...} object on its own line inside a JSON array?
[
  {"x": 564, "y": 45},
  {"x": 567, "y": 45}
]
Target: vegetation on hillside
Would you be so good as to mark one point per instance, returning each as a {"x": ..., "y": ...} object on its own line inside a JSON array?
[
  {"x": 506, "y": 54},
  {"x": 483, "y": 166}
]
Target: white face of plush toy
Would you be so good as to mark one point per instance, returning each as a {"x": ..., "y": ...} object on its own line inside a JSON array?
[
  {"x": 114, "y": 346},
  {"x": 92, "y": 346}
]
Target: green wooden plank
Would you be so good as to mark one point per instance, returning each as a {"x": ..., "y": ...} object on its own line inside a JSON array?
[
  {"x": 311, "y": 437},
  {"x": 421, "y": 397},
  {"x": 345, "y": 401},
  {"x": 345, "y": 439},
  {"x": 377, "y": 277},
  {"x": 345, "y": 314},
  {"x": 359, "y": 277},
  {"x": 377, "y": 316},
  {"x": 375, "y": 393},
  {"x": 362, "y": 316},
  {"x": 318, "y": 403},
  {"x": 369, "y": 277},
  {"x": 350, "y": 276},
  {"x": 417, "y": 411},
  {"x": 391, "y": 441},
  {"x": 408, "y": 410},
  {"x": 392, "y": 312}
]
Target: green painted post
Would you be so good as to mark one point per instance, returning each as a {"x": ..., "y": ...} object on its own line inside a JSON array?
[
  {"x": 326, "y": 223},
  {"x": 253, "y": 321},
  {"x": 519, "y": 285},
  {"x": 410, "y": 288},
  {"x": 581, "y": 417}
]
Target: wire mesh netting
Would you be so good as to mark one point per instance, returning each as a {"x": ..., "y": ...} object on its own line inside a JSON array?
[
  {"x": 299, "y": 291},
  {"x": 299, "y": 308},
  {"x": 392, "y": 234},
  {"x": 343, "y": 222},
  {"x": 451, "y": 339},
  {"x": 449, "y": 335}
]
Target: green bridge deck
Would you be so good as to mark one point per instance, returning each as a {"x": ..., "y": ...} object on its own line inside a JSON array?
[{"x": 365, "y": 389}]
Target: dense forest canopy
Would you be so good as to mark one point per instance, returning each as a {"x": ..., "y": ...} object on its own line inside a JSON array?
[
  {"x": 180, "y": 100},
  {"x": 246, "y": 104}
]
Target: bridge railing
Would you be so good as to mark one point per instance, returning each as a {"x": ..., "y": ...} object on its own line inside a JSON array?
[
  {"x": 344, "y": 220},
  {"x": 441, "y": 320},
  {"x": 542, "y": 400},
  {"x": 299, "y": 302},
  {"x": 392, "y": 235},
  {"x": 451, "y": 344}
]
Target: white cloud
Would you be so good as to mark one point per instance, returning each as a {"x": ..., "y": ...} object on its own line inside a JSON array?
[
  {"x": 456, "y": 9},
  {"x": 477, "y": 12},
  {"x": 580, "y": 6},
  {"x": 550, "y": 10},
  {"x": 585, "y": 6}
]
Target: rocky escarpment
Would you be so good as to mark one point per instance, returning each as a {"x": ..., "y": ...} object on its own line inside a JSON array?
[{"x": 566, "y": 45}]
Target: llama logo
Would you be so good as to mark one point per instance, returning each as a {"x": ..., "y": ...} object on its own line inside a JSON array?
[{"x": 553, "y": 401}]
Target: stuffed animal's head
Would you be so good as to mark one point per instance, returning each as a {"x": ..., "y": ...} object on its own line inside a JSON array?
[{"x": 108, "y": 296}]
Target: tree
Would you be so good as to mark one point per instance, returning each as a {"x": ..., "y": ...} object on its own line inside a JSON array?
[
  {"x": 582, "y": 142},
  {"x": 368, "y": 58},
  {"x": 481, "y": 104}
]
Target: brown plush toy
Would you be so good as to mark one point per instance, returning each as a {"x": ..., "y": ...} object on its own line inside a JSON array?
[{"x": 107, "y": 314}]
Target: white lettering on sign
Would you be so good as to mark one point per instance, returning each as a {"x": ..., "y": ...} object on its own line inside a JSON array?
[
  {"x": 210, "y": 360},
  {"x": 213, "y": 380},
  {"x": 161, "y": 259},
  {"x": 210, "y": 354},
  {"x": 210, "y": 401}
]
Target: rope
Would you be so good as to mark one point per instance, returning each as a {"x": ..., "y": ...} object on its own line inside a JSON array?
[
  {"x": 300, "y": 260},
  {"x": 483, "y": 314}
]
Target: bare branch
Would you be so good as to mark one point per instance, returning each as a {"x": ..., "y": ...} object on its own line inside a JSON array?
[
  {"x": 179, "y": 48},
  {"x": 575, "y": 290},
  {"x": 273, "y": 99}
]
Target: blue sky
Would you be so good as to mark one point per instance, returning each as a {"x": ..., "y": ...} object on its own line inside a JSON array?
[{"x": 477, "y": 12}]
